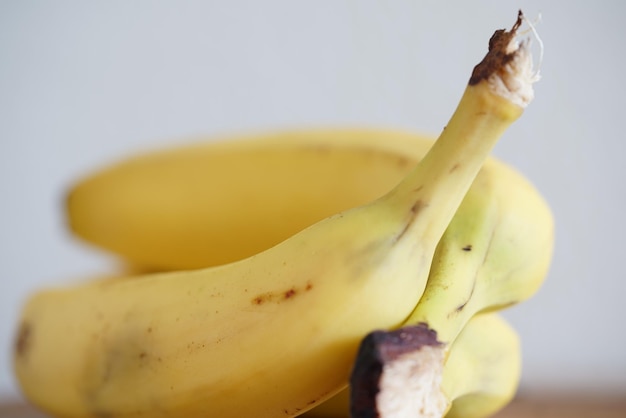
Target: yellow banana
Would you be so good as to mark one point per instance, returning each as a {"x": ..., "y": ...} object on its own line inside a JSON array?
[
  {"x": 497, "y": 259},
  {"x": 480, "y": 376},
  {"x": 495, "y": 252},
  {"x": 208, "y": 204},
  {"x": 227, "y": 341}
]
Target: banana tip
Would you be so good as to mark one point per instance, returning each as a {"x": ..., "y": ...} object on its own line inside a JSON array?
[{"x": 508, "y": 65}]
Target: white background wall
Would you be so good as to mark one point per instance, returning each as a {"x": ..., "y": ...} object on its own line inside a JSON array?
[{"x": 85, "y": 83}]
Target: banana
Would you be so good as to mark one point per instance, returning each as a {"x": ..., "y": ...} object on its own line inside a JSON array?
[
  {"x": 228, "y": 340},
  {"x": 495, "y": 253},
  {"x": 208, "y": 204},
  {"x": 153, "y": 210},
  {"x": 499, "y": 259},
  {"x": 480, "y": 376}
]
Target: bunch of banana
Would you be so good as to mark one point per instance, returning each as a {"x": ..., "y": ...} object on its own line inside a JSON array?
[
  {"x": 289, "y": 249},
  {"x": 495, "y": 253}
]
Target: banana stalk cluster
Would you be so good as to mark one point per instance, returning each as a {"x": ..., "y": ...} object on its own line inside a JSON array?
[{"x": 324, "y": 272}]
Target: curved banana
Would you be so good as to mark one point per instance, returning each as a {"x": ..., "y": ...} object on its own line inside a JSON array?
[
  {"x": 495, "y": 253},
  {"x": 480, "y": 376},
  {"x": 209, "y": 204},
  {"x": 301, "y": 306},
  {"x": 498, "y": 259}
]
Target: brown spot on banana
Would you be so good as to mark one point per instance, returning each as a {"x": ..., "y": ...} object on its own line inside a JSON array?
[
  {"x": 498, "y": 56},
  {"x": 404, "y": 162},
  {"x": 23, "y": 340},
  {"x": 305, "y": 407},
  {"x": 417, "y": 207},
  {"x": 281, "y": 296}
]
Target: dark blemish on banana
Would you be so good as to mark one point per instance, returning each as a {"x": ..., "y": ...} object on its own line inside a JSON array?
[
  {"x": 403, "y": 162},
  {"x": 454, "y": 167},
  {"x": 497, "y": 57},
  {"x": 460, "y": 307},
  {"x": 22, "y": 343},
  {"x": 467, "y": 248},
  {"x": 464, "y": 304},
  {"x": 415, "y": 210},
  {"x": 417, "y": 207},
  {"x": 294, "y": 412},
  {"x": 278, "y": 297}
]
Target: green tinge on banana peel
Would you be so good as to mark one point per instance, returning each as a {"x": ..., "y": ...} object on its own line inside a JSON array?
[
  {"x": 495, "y": 254},
  {"x": 227, "y": 341}
]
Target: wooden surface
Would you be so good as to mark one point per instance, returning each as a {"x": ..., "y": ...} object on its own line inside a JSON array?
[
  {"x": 520, "y": 408},
  {"x": 565, "y": 408}
]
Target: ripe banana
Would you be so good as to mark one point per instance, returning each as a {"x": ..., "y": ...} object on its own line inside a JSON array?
[
  {"x": 479, "y": 377},
  {"x": 499, "y": 259},
  {"x": 482, "y": 375},
  {"x": 301, "y": 306},
  {"x": 495, "y": 253},
  {"x": 208, "y": 204}
]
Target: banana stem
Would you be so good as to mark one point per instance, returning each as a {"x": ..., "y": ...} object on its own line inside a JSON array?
[
  {"x": 498, "y": 91},
  {"x": 447, "y": 171}
]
